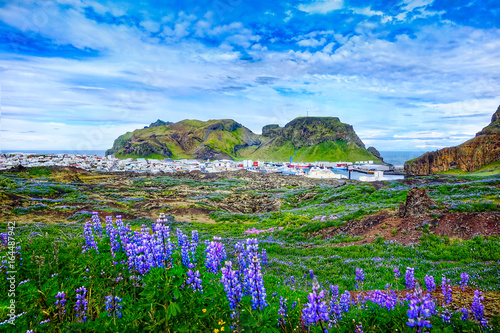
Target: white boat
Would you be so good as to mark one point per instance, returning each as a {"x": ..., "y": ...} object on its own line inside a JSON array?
[{"x": 324, "y": 174}]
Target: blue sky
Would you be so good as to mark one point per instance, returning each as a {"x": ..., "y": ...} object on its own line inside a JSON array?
[{"x": 407, "y": 74}]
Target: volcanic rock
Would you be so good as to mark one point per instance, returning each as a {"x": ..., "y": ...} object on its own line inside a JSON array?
[{"x": 417, "y": 203}]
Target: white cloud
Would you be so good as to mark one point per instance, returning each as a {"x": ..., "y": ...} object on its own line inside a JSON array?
[
  {"x": 311, "y": 42},
  {"x": 321, "y": 6}
]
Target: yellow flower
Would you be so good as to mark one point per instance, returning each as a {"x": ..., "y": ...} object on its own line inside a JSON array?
[
  {"x": 204, "y": 310},
  {"x": 221, "y": 322},
  {"x": 222, "y": 329},
  {"x": 216, "y": 330}
]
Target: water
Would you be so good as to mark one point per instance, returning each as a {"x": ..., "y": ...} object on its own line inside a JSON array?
[
  {"x": 54, "y": 151},
  {"x": 398, "y": 158}
]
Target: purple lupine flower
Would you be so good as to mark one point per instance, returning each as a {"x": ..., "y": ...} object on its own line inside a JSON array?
[
  {"x": 265, "y": 259},
  {"x": 420, "y": 310},
  {"x": 345, "y": 301},
  {"x": 180, "y": 238},
  {"x": 446, "y": 316},
  {"x": 360, "y": 276},
  {"x": 465, "y": 314},
  {"x": 60, "y": 303},
  {"x": 44, "y": 321},
  {"x": 359, "y": 328},
  {"x": 335, "y": 310},
  {"x": 109, "y": 225},
  {"x": 464, "y": 279},
  {"x": 89, "y": 238},
  {"x": 215, "y": 255},
  {"x": 255, "y": 283},
  {"x": 185, "y": 249},
  {"x": 477, "y": 308},
  {"x": 311, "y": 273},
  {"x": 397, "y": 273},
  {"x": 316, "y": 310},
  {"x": 113, "y": 306},
  {"x": 446, "y": 289},
  {"x": 410, "y": 278},
  {"x": 81, "y": 304},
  {"x": 430, "y": 283},
  {"x": 194, "y": 243},
  {"x": 96, "y": 223},
  {"x": 334, "y": 289},
  {"x": 241, "y": 255},
  {"x": 387, "y": 299},
  {"x": 112, "y": 233},
  {"x": 164, "y": 244},
  {"x": 194, "y": 279},
  {"x": 282, "y": 312},
  {"x": 232, "y": 285}
]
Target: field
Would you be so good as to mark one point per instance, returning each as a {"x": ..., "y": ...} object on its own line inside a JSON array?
[{"x": 247, "y": 252}]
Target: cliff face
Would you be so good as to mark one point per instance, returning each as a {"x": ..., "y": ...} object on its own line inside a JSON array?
[
  {"x": 470, "y": 156},
  {"x": 314, "y": 138}
]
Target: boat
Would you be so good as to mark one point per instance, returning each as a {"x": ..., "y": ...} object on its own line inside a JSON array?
[{"x": 319, "y": 173}]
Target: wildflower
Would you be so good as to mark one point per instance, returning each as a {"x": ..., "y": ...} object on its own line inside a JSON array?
[
  {"x": 44, "y": 321},
  {"x": 89, "y": 238},
  {"x": 232, "y": 285},
  {"x": 446, "y": 289},
  {"x": 464, "y": 279},
  {"x": 334, "y": 289},
  {"x": 430, "y": 283},
  {"x": 81, "y": 304},
  {"x": 360, "y": 276},
  {"x": 465, "y": 314},
  {"x": 359, "y": 328},
  {"x": 283, "y": 311},
  {"x": 345, "y": 301},
  {"x": 215, "y": 254},
  {"x": 113, "y": 306},
  {"x": 194, "y": 279},
  {"x": 410, "y": 278},
  {"x": 96, "y": 224},
  {"x": 316, "y": 310},
  {"x": 397, "y": 273},
  {"x": 446, "y": 316},
  {"x": 477, "y": 308},
  {"x": 204, "y": 310},
  {"x": 420, "y": 309},
  {"x": 61, "y": 302},
  {"x": 255, "y": 283}
]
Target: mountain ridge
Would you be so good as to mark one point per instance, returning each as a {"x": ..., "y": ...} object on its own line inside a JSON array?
[{"x": 310, "y": 138}]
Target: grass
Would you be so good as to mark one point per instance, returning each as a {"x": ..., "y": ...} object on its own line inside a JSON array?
[{"x": 52, "y": 258}]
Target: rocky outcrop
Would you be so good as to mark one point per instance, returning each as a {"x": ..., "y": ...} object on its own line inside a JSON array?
[
  {"x": 375, "y": 152},
  {"x": 309, "y": 131},
  {"x": 417, "y": 203},
  {"x": 159, "y": 123},
  {"x": 470, "y": 156}
]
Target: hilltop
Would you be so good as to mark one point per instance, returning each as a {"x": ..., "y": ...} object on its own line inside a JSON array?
[
  {"x": 309, "y": 138},
  {"x": 481, "y": 153}
]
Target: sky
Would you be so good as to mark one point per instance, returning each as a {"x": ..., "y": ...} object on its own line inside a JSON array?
[{"x": 407, "y": 74}]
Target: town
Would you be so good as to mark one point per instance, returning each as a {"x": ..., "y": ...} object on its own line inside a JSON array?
[{"x": 320, "y": 169}]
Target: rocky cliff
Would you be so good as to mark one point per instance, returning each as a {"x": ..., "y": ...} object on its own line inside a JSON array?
[
  {"x": 310, "y": 138},
  {"x": 470, "y": 156}
]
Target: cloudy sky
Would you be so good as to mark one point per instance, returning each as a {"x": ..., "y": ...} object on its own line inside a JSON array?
[{"x": 407, "y": 74}]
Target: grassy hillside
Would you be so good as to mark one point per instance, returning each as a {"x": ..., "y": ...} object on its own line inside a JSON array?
[{"x": 338, "y": 150}]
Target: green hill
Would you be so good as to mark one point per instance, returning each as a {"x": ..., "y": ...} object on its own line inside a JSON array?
[{"x": 309, "y": 138}]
